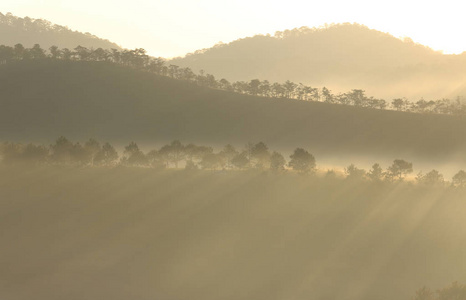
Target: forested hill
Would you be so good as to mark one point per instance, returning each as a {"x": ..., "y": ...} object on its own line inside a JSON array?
[
  {"x": 26, "y": 31},
  {"x": 44, "y": 99},
  {"x": 340, "y": 57}
]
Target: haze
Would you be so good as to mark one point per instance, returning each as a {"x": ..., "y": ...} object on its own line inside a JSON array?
[
  {"x": 174, "y": 28},
  {"x": 321, "y": 163}
]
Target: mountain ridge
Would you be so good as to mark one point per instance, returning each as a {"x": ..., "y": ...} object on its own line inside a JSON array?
[
  {"x": 28, "y": 31},
  {"x": 339, "y": 56}
]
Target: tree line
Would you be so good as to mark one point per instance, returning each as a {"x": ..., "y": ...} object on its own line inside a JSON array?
[
  {"x": 139, "y": 59},
  {"x": 176, "y": 155},
  {"x": 456, "y": 291}
]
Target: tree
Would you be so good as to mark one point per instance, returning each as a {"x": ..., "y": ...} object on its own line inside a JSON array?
[
  {"x": 173, "y": 153},
  {"x": 289, "y": 88},
  {"x": 55, "y": 53},
  {"x": 82, "y": 53},
  {"x": 399, "y": 104},
  {"x": 302, "y": 161},
  {"x": 431, "y": 179},
  {"x": 357, "y": 97},
  {"x": 254, "y": 87},
  {"x": 36, "y": 52},
  {"x": 354, "y": 173},
  {"x": 195, "y": 153},
  {"x": 134, "y": 156},
  {"x": 455, "y": 291},
  {"x": 376, "y": 173},
  {"x": 107, "y": 155},
  {"x": 260, "y": 155},
  {"x": 399, "y": 169},
  {"x": 240, "y": 160},
  {"x": 19, "y": 52},
  {"x": 227, "y": 155},
  {"x": 459, "y": 179},
  {"x": 34, "y": 154},
  {"x": 327, "y": 96},
  {"x": 210, "y": 161},
  {"x": 277, "y": 162},
  {"x": 13, "y": 153},
  {"x": 424, "y": 294},
  {"x": 62, "y": 150},
  {"x": 92, "y": 147}
]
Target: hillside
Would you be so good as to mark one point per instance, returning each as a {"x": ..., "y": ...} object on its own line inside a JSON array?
[
  {"x": 26, "y": 31},
  {"x": 135, "y": 233},
  {"x": 341, "y": 57},
  {"x": 42, "y": 100}
]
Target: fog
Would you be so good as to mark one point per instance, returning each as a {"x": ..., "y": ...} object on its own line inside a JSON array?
[
  {"x": 126, "y": 176},
  {"x": 119, "y": 233}
]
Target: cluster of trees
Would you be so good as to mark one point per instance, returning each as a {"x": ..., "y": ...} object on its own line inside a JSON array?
[
  {"x": 398, "y": 171},
  {"x": 29, "y": 31},
  {"x": 139, "y": 59},
  {"x": 173, "y": 155},
  {"x": 455, "y": 291},
  {"x": 191, "y": 157},
  {"x": 29, "y": 24}
]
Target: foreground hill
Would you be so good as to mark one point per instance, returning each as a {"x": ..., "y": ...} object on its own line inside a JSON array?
[
  {"x": 121, "y": 233},
  {"x": 26, "y": 31},
  {"x": 341, "y": 57},
  {"x": 42, "y": 100}
]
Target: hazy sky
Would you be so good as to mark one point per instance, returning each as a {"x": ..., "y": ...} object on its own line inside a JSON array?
[{"x": 174, "y": 27}]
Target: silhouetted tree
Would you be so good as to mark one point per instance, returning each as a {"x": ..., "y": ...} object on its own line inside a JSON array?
[
  {"x": 173, "y": 153},
  {"x": 91, "y": 147},
  {"x": 424, "y": 294},
  {"x": 432, "y": 178},
  {"x": 133, "y": 156},
  {"x": 107, "y": 155},
  {"x": 260, "y": 155},
  {"x": 399, "y": 169},
  {"x": 376, "y": 173},
  {"x": 227, "y": 154},
  {"x": 240, "y": 160},
  {"x": 14, "y": 153},
  {"x": 354, "y": 173},
  {"x": 302, "y": 161},
  {"x": 36, "y": 52},
  {"x": 277, "y": 162},
  {"x": 459, "y": 179},
  {"x": 55, "y": 53},
  {"x": 62, "y": 151},
  {"x": 399, "y": 104}
]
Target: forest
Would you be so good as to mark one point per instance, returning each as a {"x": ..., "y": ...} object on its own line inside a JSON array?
[
  {"x": 138, "y": 59},
  {"x": 191, "y": 157},
  {"x": 29, "y": 31}
]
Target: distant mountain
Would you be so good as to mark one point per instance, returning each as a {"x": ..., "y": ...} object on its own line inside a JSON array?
[
  {"x": 41, "y": 100},
  {"x": 341, "y": 57},
  {"x": 27, "y": 31}
]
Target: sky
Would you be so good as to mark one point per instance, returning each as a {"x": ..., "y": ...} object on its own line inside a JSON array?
[{"x": 170, "y": 28}]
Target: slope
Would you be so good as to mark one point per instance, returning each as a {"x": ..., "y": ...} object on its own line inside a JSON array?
[
  {"x": 135, "y": 233},
  {"x": 26, "y": 31},
  {"x": 42, "y": 100},
  {"x": 341, "y": 57}
]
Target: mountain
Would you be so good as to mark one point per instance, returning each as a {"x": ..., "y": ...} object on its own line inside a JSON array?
[
  {"x": 42, "y": 100},
  {"x": 340, "y": 57},
  {"x": 27, "y": 31}
]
